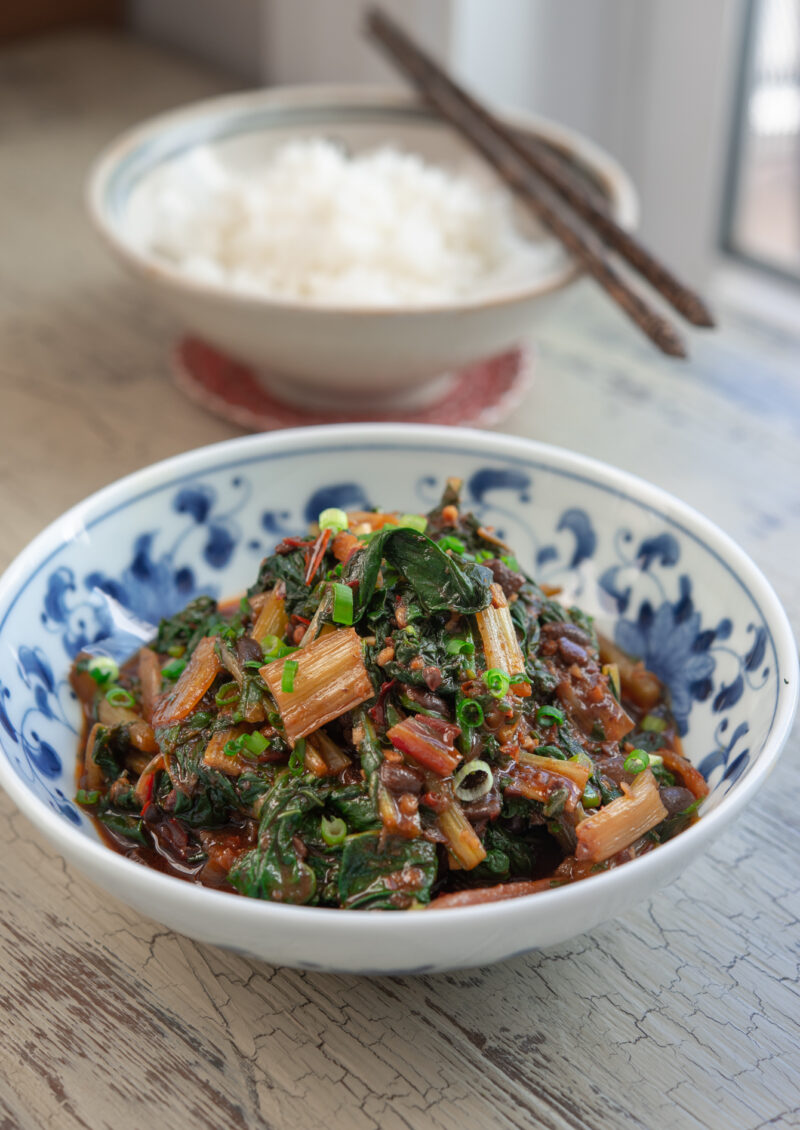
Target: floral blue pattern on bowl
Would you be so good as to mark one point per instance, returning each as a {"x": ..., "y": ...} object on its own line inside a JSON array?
[{"x": 206, "y": 533}]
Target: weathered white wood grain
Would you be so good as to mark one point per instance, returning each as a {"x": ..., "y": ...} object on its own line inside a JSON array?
[{"x": 685, "y": 1014}]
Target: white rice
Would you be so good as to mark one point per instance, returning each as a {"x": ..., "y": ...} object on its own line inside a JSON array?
[{"x": 382, "y": 228}]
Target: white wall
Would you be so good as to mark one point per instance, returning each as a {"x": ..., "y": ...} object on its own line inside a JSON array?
[
  {"x": 321, "y": 40},
  {"x": 224, "y": 32}
]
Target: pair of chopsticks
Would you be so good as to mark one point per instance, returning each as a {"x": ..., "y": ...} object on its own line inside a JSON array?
[{"x": 539, "y": 177}]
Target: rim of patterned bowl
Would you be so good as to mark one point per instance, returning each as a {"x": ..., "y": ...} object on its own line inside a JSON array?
[{"x": 506, "y": 913}]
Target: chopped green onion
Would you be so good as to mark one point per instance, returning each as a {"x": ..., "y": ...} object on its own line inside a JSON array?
[
  {"x": 333, "y": 519},
  {"x": 414, "y": 522},
  {"x": 465, "y": 791},
  {"x": 103, "y": 670},
  {"x": 244, "y": 606},
  {"x": 333, "y": 831},
  {"x": 90, "y": 798},
  {"x": 289, "y": 672},
  {"x": 452, "y": 543},
  {"x": 484, "y": 555},
  {"x": 652, "y": 724},
  {"x": 297, "y": 760},
  {"x": 637, "y": 761},
  {"x": 118, "y": 696},
  {"x": 591, "y": 796},
  {"x": 510, "y": 562},
  {"x": 273, "y": 648},
  {"x": 177, "y": 651},
  {"x": 550, "y": 751},
  {"x": 469, "y": 713},
  {"x": 254, "y": 664},
  {"x": 254, "y": 743},
  {"x": 251, "y": 745},
  {"x": 338, "y": 570},
  {"x": 550, "y": 716},
  {"x": 458, "y": 646},
  {"x": 655, "y": 759},
  {"x": 174, "y": 669},
  {"x": 227, "y": 694},
  {"x": 270, "y": 645},
  {"x": 497, "y": 682},
  {"x": 342, "y": 604}
]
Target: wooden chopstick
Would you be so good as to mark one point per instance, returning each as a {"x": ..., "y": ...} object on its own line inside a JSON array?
[
  {"x": 511, "y": 159},
  {"x": 547, "y": 164}
]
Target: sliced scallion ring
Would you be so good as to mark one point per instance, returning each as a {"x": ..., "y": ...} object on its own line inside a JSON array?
[
  {"x": 550, "y": 716},
  {"x": 253, "y": 744},
  {"x": 457, "y": 646},
  {"x": 333, "y": 831},
  {"x": 591, "y": 796},
  {"x": 497, "y": 682},
  {"x": 333, "y": 519},
  {"x": 270, "y": 646},
  {"x": 413, "y": 522},
  {"x": 174, "y": 669},
  {"x": 469, "y": 713},
  {"x": 637, "y": 761},
  {"x": 652, "y": 724},
  {"x": 465, "y": 788},
  {"x": 118, "y": 696},
  {"x": 227, "y": 694},
  {"x": 103, "y": 670}
]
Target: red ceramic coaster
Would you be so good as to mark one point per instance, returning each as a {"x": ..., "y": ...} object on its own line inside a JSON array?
[{"x": 479, "y": 395}]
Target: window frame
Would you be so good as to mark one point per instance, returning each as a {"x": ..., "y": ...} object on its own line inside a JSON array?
[{"x": 733, "y": 180}]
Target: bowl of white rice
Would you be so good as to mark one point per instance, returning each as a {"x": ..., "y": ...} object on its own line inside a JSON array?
[{"x": 343, "y": 242}]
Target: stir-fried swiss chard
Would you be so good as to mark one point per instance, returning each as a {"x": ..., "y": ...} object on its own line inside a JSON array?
[{"x": 395, "y": 716}]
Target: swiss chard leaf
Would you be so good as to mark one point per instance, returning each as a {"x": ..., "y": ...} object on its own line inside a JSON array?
[
  {"x": 385, "y": 877},
  {"x": 127, "y": 824},
  {"x": 275, "y": 874},
  {"x": 291, "y": 569},
  {"x": 253, "y": 783},
  {"x": 111, "y": 745},
  {"x": 204, "y": 797},
  {"x": 355, "y": 807},
  {"x": 273, "y": 870},
  {"x": 674, "y": 824},
  {"x": 199, "y": 618},
  {"x": 437, "y": 579}
]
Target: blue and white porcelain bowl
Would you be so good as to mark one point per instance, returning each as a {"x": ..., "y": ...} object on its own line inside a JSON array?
[{"x": 665, "y": 582}]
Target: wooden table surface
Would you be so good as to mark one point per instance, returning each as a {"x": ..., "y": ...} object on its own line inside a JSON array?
[{"x": 683, "y": 1014}]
